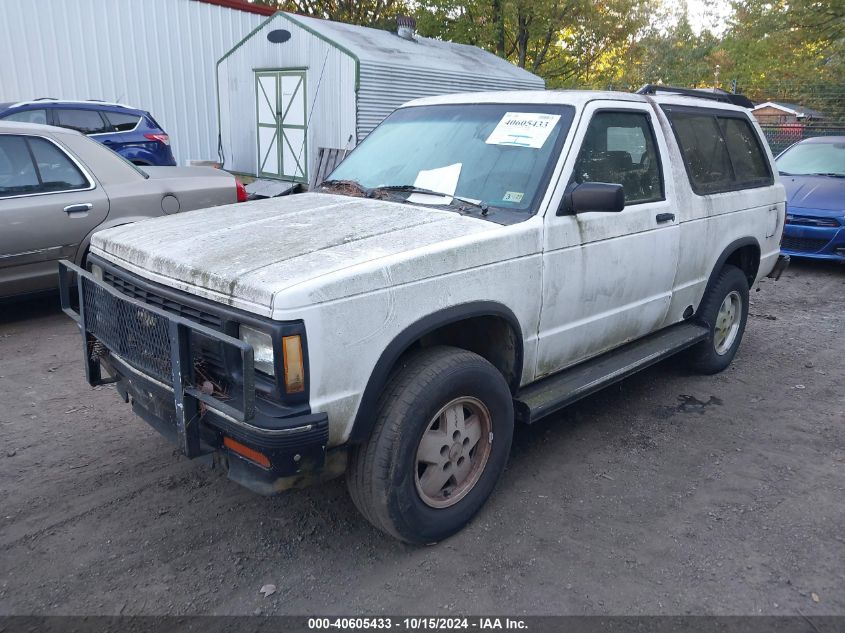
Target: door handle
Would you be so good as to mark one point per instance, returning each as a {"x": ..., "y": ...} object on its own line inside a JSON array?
[
  {"x": 665, "y": 217},
  {"x": 78, "y": 208}
]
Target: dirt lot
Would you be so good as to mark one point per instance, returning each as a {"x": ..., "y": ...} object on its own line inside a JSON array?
[{"x": 669, "y": 493}]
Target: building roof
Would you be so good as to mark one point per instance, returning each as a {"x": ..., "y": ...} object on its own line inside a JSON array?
[
  {"x": 242, "y": 5},
  {"x": 376, "y": 45},
  {"x": 798, "y": 111}
]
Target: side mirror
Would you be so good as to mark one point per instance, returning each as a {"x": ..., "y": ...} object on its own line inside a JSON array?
[{"x": 592, "y": 196}]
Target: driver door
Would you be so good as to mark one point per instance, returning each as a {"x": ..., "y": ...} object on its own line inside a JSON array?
[{"x": 608, "y": 276}]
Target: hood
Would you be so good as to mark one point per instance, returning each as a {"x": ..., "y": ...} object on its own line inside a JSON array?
[
  {"x": 824, "y": 193},
  {"x": 244, "y": 254}
]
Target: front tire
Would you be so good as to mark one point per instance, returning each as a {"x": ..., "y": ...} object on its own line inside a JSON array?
[
  {"x": 725, "y": 311},
  {"x": 441, "y": 441}
]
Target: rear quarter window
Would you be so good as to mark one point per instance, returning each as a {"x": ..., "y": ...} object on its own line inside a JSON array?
[
  {"x": 122, "y": 122},
  {"x": 721, "y": 151}
]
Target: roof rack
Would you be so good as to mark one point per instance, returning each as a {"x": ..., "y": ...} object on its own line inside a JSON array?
[{"x": 716, "y": 95}]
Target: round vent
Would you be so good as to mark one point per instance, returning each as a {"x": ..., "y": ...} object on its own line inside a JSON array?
[{"x": 278, "y": 36}]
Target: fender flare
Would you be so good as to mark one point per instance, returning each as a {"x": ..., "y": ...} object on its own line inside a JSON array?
[
  {"x": 366, "y": 414},
  {"x": 730, "y": 249}
]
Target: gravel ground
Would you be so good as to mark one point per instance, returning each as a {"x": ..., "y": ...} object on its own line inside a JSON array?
[{"x": 666, "y": 494}]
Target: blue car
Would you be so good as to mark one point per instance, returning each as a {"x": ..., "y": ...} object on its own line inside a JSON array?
[
  {"x": 132, "y": 133},
  {"x": 813, "y": 171}
]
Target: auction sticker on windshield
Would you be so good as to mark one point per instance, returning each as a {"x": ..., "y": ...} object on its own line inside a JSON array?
[{"x": 523, "y": 129}]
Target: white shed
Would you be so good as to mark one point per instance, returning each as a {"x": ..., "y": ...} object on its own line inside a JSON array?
[{"x": 297, "y": 84}]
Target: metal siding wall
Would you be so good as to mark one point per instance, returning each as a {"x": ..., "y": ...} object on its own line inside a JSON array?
[
  {"x": 384, "y": 88},
  {"x": 157, "y": 55},
  {"x": 331, "y": 109}
]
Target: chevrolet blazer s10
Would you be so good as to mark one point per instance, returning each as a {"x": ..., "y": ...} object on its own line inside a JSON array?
[{"x": 478, "y": 260}]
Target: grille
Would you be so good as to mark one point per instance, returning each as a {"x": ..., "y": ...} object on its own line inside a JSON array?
[
  {"x": 137, "y": 335},
  {"x": 127, "y": 287},
  {"x": 803, "y": 244}
]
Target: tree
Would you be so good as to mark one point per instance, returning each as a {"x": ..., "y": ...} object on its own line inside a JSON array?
[
  {"x": 790, "y": 51},
  {"x": 565, "y": 41},
  {"x": 376, "y": 13}
]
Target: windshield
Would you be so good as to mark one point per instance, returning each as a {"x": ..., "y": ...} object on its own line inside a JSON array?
[
  {"x": 498, "y": 155},
  {"x": 813, "y": 158}
]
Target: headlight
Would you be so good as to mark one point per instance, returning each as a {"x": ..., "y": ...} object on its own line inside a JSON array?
[
  {"x": 262, "y": 345},
  {"x": 97, "y": 271}
]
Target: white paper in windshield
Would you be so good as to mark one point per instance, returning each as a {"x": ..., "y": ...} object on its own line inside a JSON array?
[
  {"x": 442, "y": 180},
  {"x": 523, "y": 129}
]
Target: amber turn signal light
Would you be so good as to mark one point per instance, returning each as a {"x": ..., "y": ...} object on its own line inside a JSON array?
[
  {"x": 294, "y": 367},
  {"x": 247, "y": 452}
]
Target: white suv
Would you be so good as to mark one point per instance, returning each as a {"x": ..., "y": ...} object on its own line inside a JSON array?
[{"x": 478, "y": 260}]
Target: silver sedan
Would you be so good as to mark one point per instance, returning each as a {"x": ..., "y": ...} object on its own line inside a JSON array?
[{"x": 57, "y": 187}]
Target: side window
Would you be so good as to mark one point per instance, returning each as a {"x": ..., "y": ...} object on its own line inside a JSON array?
[
  {"x": 34, "y": 165},
  {"x": 751, "y": 167},
  {"x": 28, "y": 116},
  {"x": 17, "y": 171},
  {"x": 85, "y": 121},
  {"x": 721, "y": 153},
  {"x": 619, "y": 148},
  {"x": 122, "y": 122}
]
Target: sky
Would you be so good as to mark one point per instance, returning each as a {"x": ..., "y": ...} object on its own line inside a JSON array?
[{"x": 710, "y": 14}]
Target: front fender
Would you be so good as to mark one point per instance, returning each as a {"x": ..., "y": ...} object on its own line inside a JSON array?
[{"x": 366, "y": 415}]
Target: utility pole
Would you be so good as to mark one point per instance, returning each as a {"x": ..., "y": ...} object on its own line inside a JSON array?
[{"x": 716, "y": 76}]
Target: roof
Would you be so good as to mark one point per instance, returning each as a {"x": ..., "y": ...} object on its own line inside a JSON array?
[
  {"x": 792, "y": 108},
  {"x": 49, "y": 101},
  {"x": 242, "y": 5},
  {"x": 571, "y": 97},
  {"x": 377, "y": 45},
  {"x": 13, "y": 127}
]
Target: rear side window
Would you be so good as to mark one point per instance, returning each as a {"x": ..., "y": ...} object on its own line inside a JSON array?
[
  {"x": 721, "y": 153},
  {"x": 749, "y": 162},
  {"x": 31, "y": 165},
  {"x": 85, "y": 121},
  {"x": 28, "y": 116},
  {"x": 122, "y": 122}
]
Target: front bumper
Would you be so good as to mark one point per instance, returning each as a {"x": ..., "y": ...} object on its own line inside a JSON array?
[
  {"x": 148, "y": 354},
  {"x": 814, "y": 242}
]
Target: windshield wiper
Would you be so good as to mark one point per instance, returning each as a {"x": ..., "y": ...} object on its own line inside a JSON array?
[
  {"x": 483, "y": 206},
  {"x": 830, "y": 173}
]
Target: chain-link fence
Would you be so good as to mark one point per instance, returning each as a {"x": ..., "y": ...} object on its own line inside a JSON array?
[{"x": 782, "y": 136}]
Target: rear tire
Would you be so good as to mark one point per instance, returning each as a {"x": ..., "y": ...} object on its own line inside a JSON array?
[
  {"x": 724, "y": 310},
  {"x": 440, "y": 443}
]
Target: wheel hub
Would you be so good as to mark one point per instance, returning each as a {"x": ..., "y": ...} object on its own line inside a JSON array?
[
  {"x": 728, "y": 319},
  {"x": 453, "y": 452}
]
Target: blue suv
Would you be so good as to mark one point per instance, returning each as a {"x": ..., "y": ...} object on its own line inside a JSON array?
[{"x": 132, "y": 133}]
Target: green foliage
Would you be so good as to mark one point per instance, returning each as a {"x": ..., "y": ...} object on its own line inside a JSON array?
[{"x": 568, "y": 42}]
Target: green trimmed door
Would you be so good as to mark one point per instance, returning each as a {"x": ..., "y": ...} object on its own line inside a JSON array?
[{"x": 282, "y": 145}]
